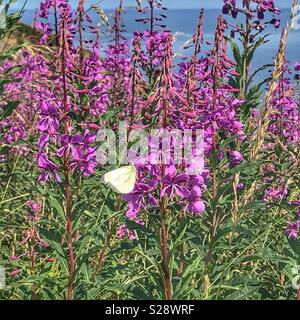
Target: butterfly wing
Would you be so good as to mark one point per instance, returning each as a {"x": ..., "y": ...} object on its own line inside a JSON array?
[{"x": 121, "y": 180}]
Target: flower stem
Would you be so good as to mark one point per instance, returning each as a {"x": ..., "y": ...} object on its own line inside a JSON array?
[
  {"x": 164, "y": 248},
  {"x": 80, "y": 30},
  {"x": 56, "y": 24},
  {"x": 151, "y": 4},
  {"x": 164, "y": 230},
  {"x": 66, "y": 167},
  {"x": 215, "y": 217},
  {"x": 242, "y": 96},
  {"x": 32, "y": 256},
  {"x": 214, "y": 138}
]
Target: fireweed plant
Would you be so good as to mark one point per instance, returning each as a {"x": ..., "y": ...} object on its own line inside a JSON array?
[{"x": 229, "y": 230}]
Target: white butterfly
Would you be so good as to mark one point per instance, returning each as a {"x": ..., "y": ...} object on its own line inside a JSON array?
[{"x": 121, "y": 180}]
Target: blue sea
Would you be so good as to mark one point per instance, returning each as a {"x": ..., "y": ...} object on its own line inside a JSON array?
[{"x": 184, "y": 22}]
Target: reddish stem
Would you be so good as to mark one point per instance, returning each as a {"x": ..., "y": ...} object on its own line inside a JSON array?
[
  {"x": 214, "y": 138},
  {"x": 164, "y": 231},
  {"x": 66, "y": 168},
  {"x": 164, "y": 248},
  {"x": 80, "y": 26},
  {"x": 56, "y": 24},
  {"x": 151, "y": 3}
]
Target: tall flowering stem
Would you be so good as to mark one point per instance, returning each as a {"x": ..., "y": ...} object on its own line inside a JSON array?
[
  {"x": 220, "y": 70},
  {"x": 56, "y": 23},
  {"x": 66, "y": 164},
  {"x": 219, "y": 42},
  {"x": 154, "y": 37},
  {"x": 255, "y": 24},
  {"x": 163, "y": 201},
  {"x": 80, "y": 31},
  {"x": 151, "y": 4},
  {"x": 260, "y": 134},
  {"x": 215, "y": 57},
  {"x": 198, "y": 38},
  {"x": 242, "y": 96}
]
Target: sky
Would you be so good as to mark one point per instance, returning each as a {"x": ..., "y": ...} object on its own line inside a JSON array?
[{"x": 171, "y": 4}]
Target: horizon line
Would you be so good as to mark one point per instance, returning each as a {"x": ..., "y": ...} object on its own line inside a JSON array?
[{"x": 133, "y": 8}]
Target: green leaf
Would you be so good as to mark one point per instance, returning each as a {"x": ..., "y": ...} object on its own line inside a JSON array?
[
  {"x": 251, "y": 50},
  {"x": 236, "y": 51},
  {"x": 254, "y": 205},
  {"x": 58, "y": 208},
  {"x": 8, "y": 109},
  {"x": 264, "y": 67},
  {"x": 295, "y": 245}
]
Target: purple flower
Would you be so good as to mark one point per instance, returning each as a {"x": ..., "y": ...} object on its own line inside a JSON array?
[
  {"x": 84, "y": 162},
  {"x": 47, "y": 167},
  {"x": 275, "y": 22},
  {"x": 70, "y": 144},
  {"x": 34, "y": 206},
  {"x": 49, "y": 118},
  {"x": 275, "y": 193},
  {"x": 236, "y": 158},
  {"x": 34, "y": 210},
  {"x": 297, "y": 66},
  {"x": 139, "y": 198},
  {"x": 229, "y": 6},
  {"x": 240, "y": 186},
  {"x": 293, "y": 229},
  {"x": 284, "y": 112},
  {"x": 262, "y": 6},
  {"x": 175, "y": 183},
  {"x": 123, "y": 231},
  {"x": 197, "y": 207}
]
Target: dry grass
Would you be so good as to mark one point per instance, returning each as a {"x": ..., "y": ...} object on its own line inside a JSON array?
[{"x": 260, "y": 133}]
